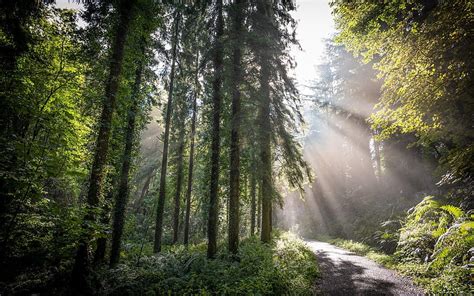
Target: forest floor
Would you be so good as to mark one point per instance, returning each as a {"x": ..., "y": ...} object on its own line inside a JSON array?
[{"x": 345, "y": 273}]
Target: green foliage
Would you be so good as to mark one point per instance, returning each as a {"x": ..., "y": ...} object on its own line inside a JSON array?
[
  {"x": 453, "y": 245},
  {"x": 356, "y": 247},
  {"x": 46, "y": 123},
  {"x": 287, "y": 267},
  {"x": 425, "y": 226},
  {"x": 439, "y": 236},
  {"x": 423, "y": 52},
  {"x": 452, "y": 280}
]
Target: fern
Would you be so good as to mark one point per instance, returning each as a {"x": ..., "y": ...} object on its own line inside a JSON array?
[{"x": 453, "y": 211}]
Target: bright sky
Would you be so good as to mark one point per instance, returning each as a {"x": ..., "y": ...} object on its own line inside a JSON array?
[
  {"x": 70, "y": 4},
  {"x": 315, "y": 23}
]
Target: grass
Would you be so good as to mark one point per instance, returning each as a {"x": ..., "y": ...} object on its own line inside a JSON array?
[{"x": 365, "y": 250}]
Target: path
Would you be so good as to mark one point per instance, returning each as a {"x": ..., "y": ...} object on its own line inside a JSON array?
[{"x": 345, "y": 273}]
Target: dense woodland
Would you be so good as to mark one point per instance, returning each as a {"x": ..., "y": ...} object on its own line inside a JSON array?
[{"x": 164, "y": 147}]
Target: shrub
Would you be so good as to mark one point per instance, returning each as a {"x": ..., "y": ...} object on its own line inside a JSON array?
[
  {"x": 424, "y": 225},
  {"x": 287, "y": 267}
]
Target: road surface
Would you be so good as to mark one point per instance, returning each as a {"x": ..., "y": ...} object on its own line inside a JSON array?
[{"x": 345, "y": 273}]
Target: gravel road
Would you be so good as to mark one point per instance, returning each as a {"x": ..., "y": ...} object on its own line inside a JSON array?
[{"x": 345, "y": 273}]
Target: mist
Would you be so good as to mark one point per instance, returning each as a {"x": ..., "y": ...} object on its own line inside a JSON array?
[{"x": 360, "y": 179}]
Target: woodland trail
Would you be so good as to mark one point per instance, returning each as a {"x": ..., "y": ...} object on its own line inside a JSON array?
[{"x": 345, "y": 273}]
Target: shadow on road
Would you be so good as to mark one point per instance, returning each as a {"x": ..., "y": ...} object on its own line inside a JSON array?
[{"x": 342, "y": 277}]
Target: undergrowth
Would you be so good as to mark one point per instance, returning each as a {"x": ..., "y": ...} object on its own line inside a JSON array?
[{"x": 286, "y": 267}]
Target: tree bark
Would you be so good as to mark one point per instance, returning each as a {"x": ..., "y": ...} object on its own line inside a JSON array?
[
  {"x": 101, "y": 247},
  {"x": 259, "y": 209},
  {"x": 123, "y": 192},
  {"x": 215, "y": 136},
  {"x": 263, "y": 9},
  {"x": 191, "y": 156},
  {"x": 253, "y": 203},
  {"x": 179, "y": 183},
  {"x": 234, "y": 182},
  {"x": 164, "y": 163},
  {"x": 81, "y": 264}
]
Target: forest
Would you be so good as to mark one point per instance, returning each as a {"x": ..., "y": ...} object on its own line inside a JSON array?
[{"x": 168, "y": 148}]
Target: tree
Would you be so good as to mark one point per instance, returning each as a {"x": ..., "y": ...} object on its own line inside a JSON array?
[
  {"x": 253, "y": 203},
  {"x": 164, "y": 162},
  {"x": 179, "y": 186},
  {"x": 81, "y": 263},
  {"x": 264, "y": 11},
  {"x": 234, "y": 190},
  {"x": 278, "y": 105},
  {"x": 215, "y": 133},
  {"x": 191, "y": 154},
  {"x": 123, "y": 190}
]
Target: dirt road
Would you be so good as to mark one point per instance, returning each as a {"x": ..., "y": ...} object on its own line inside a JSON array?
[{"x": 345, "y": 273}]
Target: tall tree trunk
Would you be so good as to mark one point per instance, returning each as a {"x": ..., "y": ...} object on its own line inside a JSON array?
[
  {"x": 138, "y": 202},
  {"x": 366, "y": 158},
  {"x": 253, "y": 203},
  {"x": 215, "y": 136},
  {"x": 122, "y": 196},
  {"x": 259, "y": 209},
  {"x": 101, "y": 247},
  {"x": 378, "y": 160},
  {"x": 264, "y": 10},
  {"x": 234, "y": 182},
  {"x": 266, "y": 164},
  {"x": 179, "y": 185},
  {"x": 81, "y": 264},
  {"x": 191, "y": 156},
  {"x": 164, "y": 163}
]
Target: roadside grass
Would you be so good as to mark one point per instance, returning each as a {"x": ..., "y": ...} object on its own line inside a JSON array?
[{"x": 365, "y": 250}]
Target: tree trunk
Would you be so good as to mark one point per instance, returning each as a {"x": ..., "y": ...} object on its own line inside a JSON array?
[
  {"x": 81, "y": 264},
  {"x": 253, "y": 205},
  {"x": 267, "y": 188},
  {"x": 101, "y": 247},
  {"x": 123, "y": 192},
  {"x": 164, "y": 163},
  {"x": 215, "y": 136},
  {"x": 138, "y": 202},
  {"x": 263, "y": 9},
  {"x": 179, "y": 183},
  {"x": 234, "y": 182},
  {"x": 191, "y": 156},
  {"x": 378, "y": 160},
  {"x": 259, "y": 209}
]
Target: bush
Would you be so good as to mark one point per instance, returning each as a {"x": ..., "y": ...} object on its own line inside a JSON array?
[
  {"x": 287, "y": 267},
  {"x": 426, "y": 226}
]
